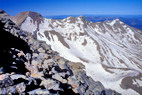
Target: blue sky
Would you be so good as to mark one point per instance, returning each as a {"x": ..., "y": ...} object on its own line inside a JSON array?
[{"x": 73, "y": 7}]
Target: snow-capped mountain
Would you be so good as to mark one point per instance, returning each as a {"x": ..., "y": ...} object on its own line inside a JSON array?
[
  {"x": 29, "y": 66},
  {"x": 111, "y": 50}
]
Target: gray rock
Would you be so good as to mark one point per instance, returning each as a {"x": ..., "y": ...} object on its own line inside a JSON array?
[
  {"x": 62, "y": 63},
  {"x": 47, "y": 66},
  {"x": 45, "y": 46},
  {"x": 34, "y": 62},
  {"x": 6, "y": 82},
  {"x": 48, "y": 61},
  {"x": 20, "y": 87},
  {"x": 35, "y": 55},
  {"x": 50, "y": 84},
  {"x": 53, "y": 70},
  {"x": 58, "y": 77},
  {"x": 73, "y": 82},
  {"x": 41, "y": 50},
  {"x": 43, "y": 55}
]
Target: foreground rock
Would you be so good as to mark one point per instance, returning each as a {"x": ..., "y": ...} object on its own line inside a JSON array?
[{"x": 28, "y": 66}]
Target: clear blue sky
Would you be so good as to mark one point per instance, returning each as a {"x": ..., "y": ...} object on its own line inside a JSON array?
[{"x": 73, "y": 7}]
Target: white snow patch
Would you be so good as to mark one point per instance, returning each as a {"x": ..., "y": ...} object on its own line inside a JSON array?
[
  {"x": 16, "y": 76},
  {"x": 39, "y": 91},
  {"x": 29, "y": 25},
  {"x": 112, "y": 22},
  {"x": 110, "y": 46},
  {"x": 137, "y": 82}
]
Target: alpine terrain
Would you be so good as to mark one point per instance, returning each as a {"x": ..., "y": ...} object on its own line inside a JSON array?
[
  {"x": 111, "y": 52},
  {"x": 31, "y": 67}
]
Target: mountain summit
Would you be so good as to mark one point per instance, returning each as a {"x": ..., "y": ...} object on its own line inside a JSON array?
[
  {"x": 21, "y": 17},
  {"x": 111, "y": 50}
]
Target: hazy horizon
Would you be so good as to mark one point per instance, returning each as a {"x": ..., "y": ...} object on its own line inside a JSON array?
[{"x": 97, "y": 15}]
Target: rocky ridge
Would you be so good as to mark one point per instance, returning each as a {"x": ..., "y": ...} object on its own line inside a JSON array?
[{"x": 28, "y": 66}]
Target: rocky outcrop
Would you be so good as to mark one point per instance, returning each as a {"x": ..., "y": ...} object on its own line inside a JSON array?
[{"x": 28, "y": 66}]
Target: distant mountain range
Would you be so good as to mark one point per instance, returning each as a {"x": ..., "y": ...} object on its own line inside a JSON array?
[{"x": 132, "y": 20}]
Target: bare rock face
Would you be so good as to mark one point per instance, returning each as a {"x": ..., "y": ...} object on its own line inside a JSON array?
[
  {"x": 19, "y": 18},
  {"x": 28, "y": 66}
]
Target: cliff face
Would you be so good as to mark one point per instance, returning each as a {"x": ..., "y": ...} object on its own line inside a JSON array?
[{"x": 28, "y": 66}]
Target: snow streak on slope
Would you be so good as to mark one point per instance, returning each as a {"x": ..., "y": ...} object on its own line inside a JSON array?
[
  {"x": 110, "y": 50},
  {"x": 30, "y": 25}
]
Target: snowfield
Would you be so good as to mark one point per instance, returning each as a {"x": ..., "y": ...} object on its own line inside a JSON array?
[{"x": 110, "y": 50}]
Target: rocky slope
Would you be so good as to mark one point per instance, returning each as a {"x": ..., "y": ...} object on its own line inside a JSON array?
[
  {"x": 29, "y": 66},
  {"x": 111, "y": 50}
]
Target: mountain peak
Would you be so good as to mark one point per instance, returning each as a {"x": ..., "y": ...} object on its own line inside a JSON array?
[
  {"x": 21, "y": 17},
  {"x": 81, "y": 18},
  {"x": 29, "y": 13},
  {"x": 32, "y": 14},
  {"x": 72, "y": 19},
  {"x": 113, "y": 22},
  {"x": 118, "y": 21}
]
